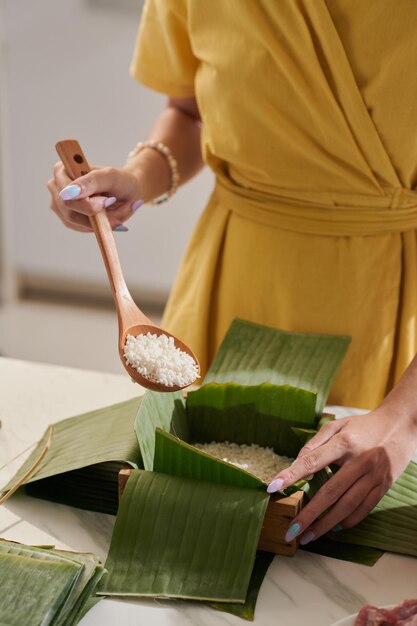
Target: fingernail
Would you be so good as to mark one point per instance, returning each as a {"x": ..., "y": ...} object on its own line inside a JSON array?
[
  {"x": 120, "y": 229},
  {"x": 70, "y": 192},
  {"x": 275, "y": 485},
  {"x": 337, "y": 528},
  {"x": 136, "y": 205},
  {"x": 307, "y": 537},
  {"x": 109, "y": 201},
  {"x": 293, "y": 532}
]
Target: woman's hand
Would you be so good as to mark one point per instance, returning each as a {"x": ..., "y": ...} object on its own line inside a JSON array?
[
  {"x": 115, "y": 189},
  {"x": 144, "y": 177},
  {"x": 372, "y": 451}
]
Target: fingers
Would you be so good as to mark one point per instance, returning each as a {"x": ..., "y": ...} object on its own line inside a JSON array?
[
  {"x": 84, "y": 196},
  {"x": 325, "y": 433},
  {"x": 345, "y": 513},
  {"x": 365, "y": 507},
  {"x": 120, "y": 213},
  {"x": 70, "y": 197},
  {"x": 96, "y": 182},
  {"x": 343, "y": 493},
  {"x": 345, "y": 499},
  {"x": 369, "y": 460},
  {"x": 310, "y": 463},
  {"x": 61, "y": 177},
  {"x": 80, "y": 222},
  {"x": 75, "y": 214},
  {"x": 71, "y": 219}
]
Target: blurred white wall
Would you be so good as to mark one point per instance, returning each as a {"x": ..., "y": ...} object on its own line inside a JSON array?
[
  {"x": 6, "y": 273},
  {"x": 65, "y": 74}
]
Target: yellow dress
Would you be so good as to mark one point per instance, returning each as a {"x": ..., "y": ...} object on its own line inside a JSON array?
[{"x": 310, "y": 125}]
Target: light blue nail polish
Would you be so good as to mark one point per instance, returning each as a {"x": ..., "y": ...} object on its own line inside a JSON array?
[
  {"x": 109, "y": 202},
  {"x": 337, "y": 528},
  {"x": 307, "y": 537},
  {"x": 136, "y": 205},
  {"x": 70, "y": 192},
  {"x": 120, "y": 229},
  {"x": 275, "y": 485},
  {"x": 293, "y": 532}
]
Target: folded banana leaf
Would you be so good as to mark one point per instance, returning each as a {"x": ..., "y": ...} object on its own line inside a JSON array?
[
  {"x": 40, "y": 586},
  {"x": 178, "y": 458},
  {"x": 247, "y": 610},
  {"x": 82, "y": 458},
  {"x": 184, "y": 538},
  {"x": 262, "y": 414},
  {"x": 275, "y": 415},
  {"x": 93, "y": 488},
  {"x": 240, "y": 414},
  {"x": 251, "y": 354},
  {"x": 326, "y": 546},
  {"x": 181, "y": 481}
]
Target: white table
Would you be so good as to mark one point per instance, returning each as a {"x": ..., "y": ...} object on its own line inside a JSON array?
[{"x": 304, "y": 589}]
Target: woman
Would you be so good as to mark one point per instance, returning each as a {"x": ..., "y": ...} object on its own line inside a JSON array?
[{"x": 303, "y": 110}]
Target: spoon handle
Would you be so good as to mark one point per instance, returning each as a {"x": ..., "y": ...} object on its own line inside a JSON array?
[{"x": 77, "y": 165}]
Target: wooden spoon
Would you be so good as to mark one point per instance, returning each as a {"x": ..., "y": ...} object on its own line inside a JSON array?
[{"x": 131, "y": 319}]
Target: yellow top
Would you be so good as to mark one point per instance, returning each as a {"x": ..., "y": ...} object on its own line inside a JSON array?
[{"x": 310, "y": 125}]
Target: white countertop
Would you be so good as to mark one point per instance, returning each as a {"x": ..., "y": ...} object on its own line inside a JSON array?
[{"x": 304, "y": 589}]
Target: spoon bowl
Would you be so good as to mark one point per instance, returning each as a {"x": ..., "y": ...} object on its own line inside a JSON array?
[
  {"x": 143, "y": 329},
  {"x": 132, "y": 321}
]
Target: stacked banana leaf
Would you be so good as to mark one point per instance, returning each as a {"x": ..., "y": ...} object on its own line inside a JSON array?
[
  {"x": 188, "y": 525},
  {"x": 81, "y": 461},
  {"x": 42, "y": 586}
]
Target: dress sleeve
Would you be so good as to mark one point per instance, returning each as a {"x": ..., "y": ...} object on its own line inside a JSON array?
[{"x": 163, "y": 58}]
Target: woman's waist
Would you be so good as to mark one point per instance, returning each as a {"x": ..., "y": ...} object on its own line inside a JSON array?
[{"x": 325, "y": 212}]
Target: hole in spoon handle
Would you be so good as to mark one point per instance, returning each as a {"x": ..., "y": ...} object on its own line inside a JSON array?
[
  {"x": 73, "y": 158},
  {"x": 76, "y": 165}
]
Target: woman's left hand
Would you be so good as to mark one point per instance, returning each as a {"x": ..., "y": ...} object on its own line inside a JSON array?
[{"x": 372, "y": 451}]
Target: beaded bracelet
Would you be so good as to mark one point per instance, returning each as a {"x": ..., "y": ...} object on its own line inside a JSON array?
[{"x": 172, "y": 163}]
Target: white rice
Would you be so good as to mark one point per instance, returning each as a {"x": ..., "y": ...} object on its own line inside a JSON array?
[
  {"x": 262, "y": 462},
  {"x": 157, "y": 358}
]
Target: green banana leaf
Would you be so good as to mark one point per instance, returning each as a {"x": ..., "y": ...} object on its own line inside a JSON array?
[
  {"x": 252, "y": 354},
  {"x": 91, "y": 575},
  {"x": 266, "y": 414},
  {"x": 41, "y": 586},
  {"x": 177, "y": 458},
  {"x": 208, "y": 553},
  {"x": 86, "y": 452},
  {"x": 33, "y": 591},
  {"x": 90, "y": 603},
  {"x": 263, "y": 414},
  {"x": 326, "y": 546},
  {"x": 93, "y": 488},
  {"x": 247, "y": 610},
  {"x": 159, "y": 410}
]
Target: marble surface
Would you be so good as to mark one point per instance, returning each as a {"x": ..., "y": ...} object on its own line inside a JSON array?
[{"x": 304, "y": 589}]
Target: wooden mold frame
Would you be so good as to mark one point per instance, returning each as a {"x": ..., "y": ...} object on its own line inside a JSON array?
[{"x": 279, "y": 513}]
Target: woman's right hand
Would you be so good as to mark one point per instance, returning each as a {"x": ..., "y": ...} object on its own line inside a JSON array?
[{"x": 115, "y": 189}]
